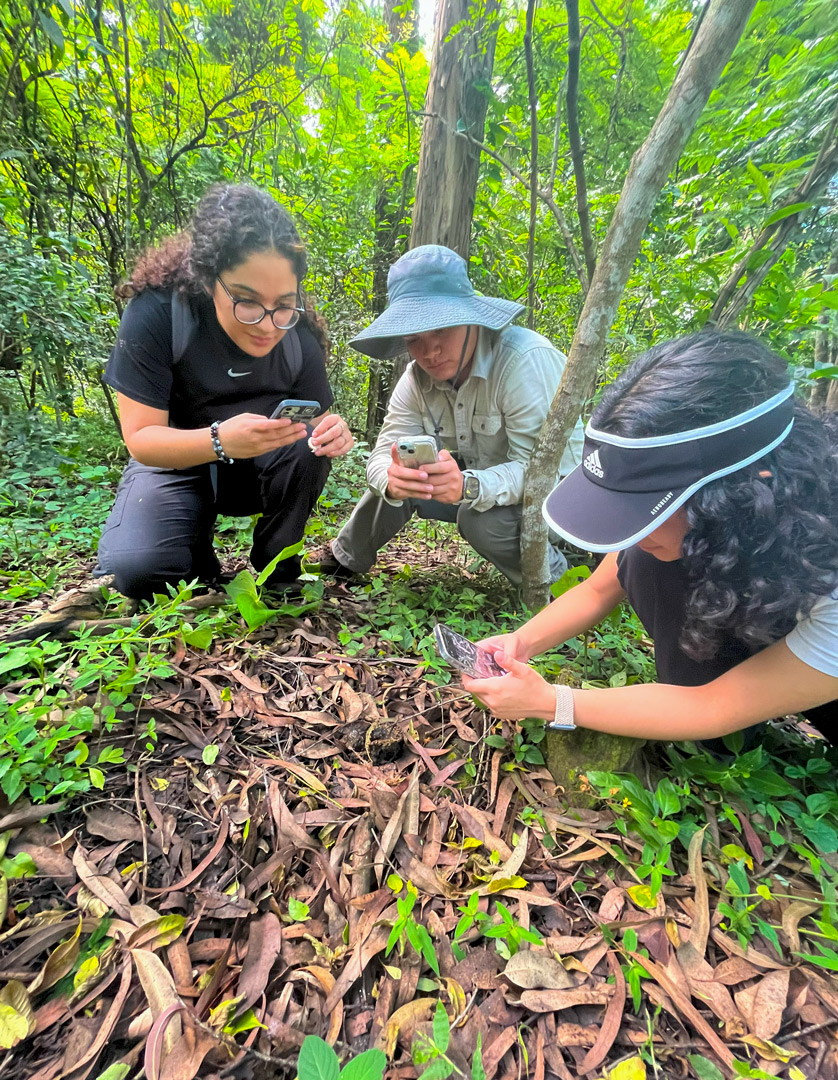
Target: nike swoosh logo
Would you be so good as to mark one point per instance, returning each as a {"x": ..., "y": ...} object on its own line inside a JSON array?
[{"x": 237, "y": 374}]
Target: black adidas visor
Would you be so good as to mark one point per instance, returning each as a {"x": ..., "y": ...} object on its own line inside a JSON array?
[{"x": 625, "y": 488}]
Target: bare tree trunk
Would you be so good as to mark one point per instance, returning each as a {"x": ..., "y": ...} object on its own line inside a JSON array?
[
  {"x": 533, "y": 164},
  {"x": 711, "y": 49},
  {"x": 825, "y": 344},
  {"x": 832, "y": 393},
  {"x": 446, "y": 184},
  {"x": 382, "y": 258},
  {"x": 389, "y": 213}
]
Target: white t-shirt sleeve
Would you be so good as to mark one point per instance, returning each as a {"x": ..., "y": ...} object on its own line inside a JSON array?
[{"x": 815, "y": 639}]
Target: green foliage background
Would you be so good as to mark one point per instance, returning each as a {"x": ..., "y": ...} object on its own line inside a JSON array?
[{"x": 115, "y": 117}]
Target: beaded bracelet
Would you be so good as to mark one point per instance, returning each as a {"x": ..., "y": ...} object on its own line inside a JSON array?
[
  {"x": 216, "y": 445},
  {"x": 563, "y": 718}
]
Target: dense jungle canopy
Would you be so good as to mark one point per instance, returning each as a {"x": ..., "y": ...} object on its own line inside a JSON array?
[{"x": 114, "y": 120}]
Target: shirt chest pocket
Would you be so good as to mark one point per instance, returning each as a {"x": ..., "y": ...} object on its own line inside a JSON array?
[{"x": 483, "y": 424}]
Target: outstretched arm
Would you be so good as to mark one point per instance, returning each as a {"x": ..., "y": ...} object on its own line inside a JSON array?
[{"x": 772, "y": 683}]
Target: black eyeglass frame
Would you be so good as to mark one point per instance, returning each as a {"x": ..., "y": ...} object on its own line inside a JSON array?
[{"x": 297, "y": 311}]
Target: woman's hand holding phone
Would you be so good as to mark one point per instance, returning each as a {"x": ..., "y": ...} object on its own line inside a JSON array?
[
  {"x": 507, "y": 645},
  {"x": 250, "y": 434},
  {"x": 521, "y": 692}
]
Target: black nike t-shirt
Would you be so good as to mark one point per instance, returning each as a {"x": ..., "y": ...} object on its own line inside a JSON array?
[{"x": 214, "y": 379}]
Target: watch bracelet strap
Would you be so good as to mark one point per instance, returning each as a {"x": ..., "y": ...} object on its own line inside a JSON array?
[{"x": 563, "y": 717}]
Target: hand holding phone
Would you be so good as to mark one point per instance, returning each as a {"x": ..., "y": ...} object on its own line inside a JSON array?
[
  {"x": 464, "y": 655},
  {"x": 417, "y": 451},
  {"x": 300, "y": 412}
]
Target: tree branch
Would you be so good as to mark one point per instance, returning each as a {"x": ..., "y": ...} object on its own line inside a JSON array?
[
  {"x": 574, "y": 48},
  {"x": 736, "y": 294}
]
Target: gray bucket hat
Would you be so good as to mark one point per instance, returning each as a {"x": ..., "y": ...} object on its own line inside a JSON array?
[{"x": 429, "y": 289}]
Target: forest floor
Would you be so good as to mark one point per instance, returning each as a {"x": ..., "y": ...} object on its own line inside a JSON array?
[{"x": 217, "y": 840}]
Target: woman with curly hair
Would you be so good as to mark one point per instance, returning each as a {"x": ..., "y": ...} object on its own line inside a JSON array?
[
  {"x": 215, "y": 336},
  {"x": 715, "y": 494}
]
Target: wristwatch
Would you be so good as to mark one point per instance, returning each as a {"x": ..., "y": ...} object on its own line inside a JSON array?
[{"x": 471, "y": 489}]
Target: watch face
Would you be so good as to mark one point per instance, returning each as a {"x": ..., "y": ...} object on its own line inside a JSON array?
[{"x": 472, "y": 487}]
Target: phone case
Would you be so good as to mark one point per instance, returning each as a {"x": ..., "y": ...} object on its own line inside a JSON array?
[
  {"x": 296, "y": 410},
  {"x": 464, "y": 655},
  {"x": 420, "y": 450}
]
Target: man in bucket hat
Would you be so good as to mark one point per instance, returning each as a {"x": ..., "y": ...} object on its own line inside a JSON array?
[{"x": 481, "y": 387}]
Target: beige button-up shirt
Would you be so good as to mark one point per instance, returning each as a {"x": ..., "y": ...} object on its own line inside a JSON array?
[{"x": 490, "y": 423}]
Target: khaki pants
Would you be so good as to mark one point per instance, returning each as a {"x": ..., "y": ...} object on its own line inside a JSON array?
[{"x": 495, "y": 534}]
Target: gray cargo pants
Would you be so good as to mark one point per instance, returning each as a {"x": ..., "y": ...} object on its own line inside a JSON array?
[{"x": 495, "y": 534}]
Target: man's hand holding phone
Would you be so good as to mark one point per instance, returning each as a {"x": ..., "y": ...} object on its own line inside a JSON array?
[{"x": 442, "y": 480}]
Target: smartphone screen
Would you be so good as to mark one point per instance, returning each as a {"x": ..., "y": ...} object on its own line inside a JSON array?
[{"x": 465, "y": 655}]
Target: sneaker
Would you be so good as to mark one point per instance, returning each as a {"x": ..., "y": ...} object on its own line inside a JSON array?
[{"x": 324, "y": 560}]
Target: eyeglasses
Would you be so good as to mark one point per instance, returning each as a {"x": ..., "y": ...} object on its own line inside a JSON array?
[{"x": 249, "y": 312}]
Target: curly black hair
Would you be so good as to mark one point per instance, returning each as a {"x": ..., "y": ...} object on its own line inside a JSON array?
[
  {"x": 762, "y": 544},
  {"x": 229, "y": 224}
]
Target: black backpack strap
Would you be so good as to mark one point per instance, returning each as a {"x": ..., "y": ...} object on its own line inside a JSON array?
[
  {"x": 293, "y": 350},
  {"x": 184, "y": 325}
]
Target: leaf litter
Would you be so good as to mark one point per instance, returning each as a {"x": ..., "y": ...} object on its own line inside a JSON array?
[{"x": 235, "y": 889}]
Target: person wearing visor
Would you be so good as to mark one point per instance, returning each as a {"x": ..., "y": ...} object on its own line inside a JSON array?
[
  {"x": 714, "y": 494},
  {"x": 481, "y": 388},
  {"x": 215, "y": 336}
]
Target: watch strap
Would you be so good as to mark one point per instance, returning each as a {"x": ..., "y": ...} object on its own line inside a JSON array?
[{"x": 563, "y": 717}]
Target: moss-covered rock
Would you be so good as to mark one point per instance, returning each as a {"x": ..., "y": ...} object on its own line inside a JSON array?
[{"x": 571, "y": 754}]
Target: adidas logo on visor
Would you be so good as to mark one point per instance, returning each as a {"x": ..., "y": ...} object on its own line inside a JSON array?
[{"x": 593, "y": 464}]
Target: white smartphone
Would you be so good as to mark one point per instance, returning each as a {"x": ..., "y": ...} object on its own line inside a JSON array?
[
  {"x": 464, "y": 655},
  {"x": 298, "y": 411},
  {"x": 417, "y": 451}
]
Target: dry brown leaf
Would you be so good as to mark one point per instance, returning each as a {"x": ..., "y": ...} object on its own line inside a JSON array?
[
  {"x": 404, "y": 1022},
  {"x": 554, "y": 1000},
  {"x": 763, "y": 1003},
  {"x": 691, "y": 953},
  {"x": 495, "y": 1050},
  {"x": 735, "y": 970},
  {"x": 752, "y": 955},
  {"x": 389, "y": 838},
  {"x": 289, "y": 833},
  {"x": 686, "y": 1009},
  {"x": 536, "y": 969},
  {"x": 185, "y": 1060},
  {"x": 796, "y": 911},
  {"x": 61, "y": 963},
  {"x": 159, "y": 989},
  {"x": 100, "y": 886},
  {"x": 369, "y": 948},
  {"x": 113, "y": 824},
  {"x": 263, "y": 946},
  {"x": 50, "y": 863},
  {"x": 108, "y": 1022},
  {"x": 27, "y": 815},
  {"x": 611, "y": 1022},
  {"x": 325, "y": 981}
]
